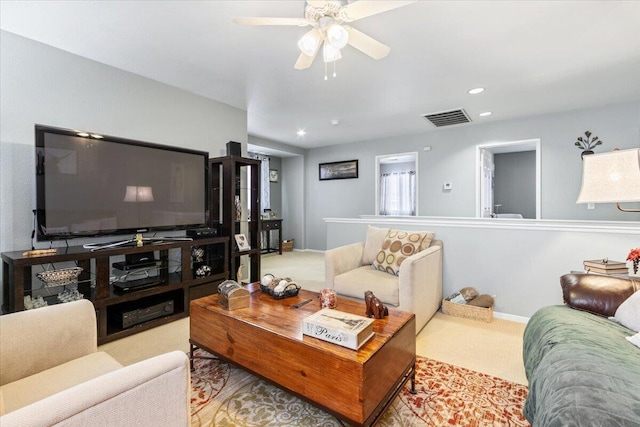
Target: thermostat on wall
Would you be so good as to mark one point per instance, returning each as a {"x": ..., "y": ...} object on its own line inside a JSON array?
[{"x": 447, "y": 186}]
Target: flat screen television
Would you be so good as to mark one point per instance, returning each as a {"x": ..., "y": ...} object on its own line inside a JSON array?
[{"x": 96, "y": 185}]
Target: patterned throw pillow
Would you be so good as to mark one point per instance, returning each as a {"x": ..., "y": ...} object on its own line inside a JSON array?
[{"x": 398, "y": 245}]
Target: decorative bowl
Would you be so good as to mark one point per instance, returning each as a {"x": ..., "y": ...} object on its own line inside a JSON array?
[
  {"x": 61, "y": 277},
  {"x": 291, "y": 290}
]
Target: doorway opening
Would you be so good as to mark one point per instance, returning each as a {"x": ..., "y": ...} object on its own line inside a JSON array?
[
  {"x": 508, "y": 179},
  {"x": 397, "y": 184}
]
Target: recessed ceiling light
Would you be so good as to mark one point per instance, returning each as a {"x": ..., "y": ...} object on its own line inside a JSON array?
[
  {"x": 335, "y": 122},
  {"x": 301, "y": 132},
  {"x": 485, "y": 114},
  {"x": 476, "y": 91}
]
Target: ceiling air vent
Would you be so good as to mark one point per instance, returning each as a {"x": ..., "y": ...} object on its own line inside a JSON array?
[{"x": 447, "y": 118}]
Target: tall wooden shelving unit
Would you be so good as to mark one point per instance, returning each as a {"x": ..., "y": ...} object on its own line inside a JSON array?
[{"x": 235, "y": 180}]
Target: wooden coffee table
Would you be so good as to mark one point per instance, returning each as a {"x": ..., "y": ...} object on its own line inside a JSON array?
[{"x": 266, "y": 339}]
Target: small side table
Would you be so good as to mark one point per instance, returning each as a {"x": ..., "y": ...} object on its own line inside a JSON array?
[{"x": 269, "y": 225}]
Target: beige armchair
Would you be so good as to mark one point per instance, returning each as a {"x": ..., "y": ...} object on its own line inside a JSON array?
[
  {"x": 51, "y": 374},
  {"x": 417, "y": 288}
]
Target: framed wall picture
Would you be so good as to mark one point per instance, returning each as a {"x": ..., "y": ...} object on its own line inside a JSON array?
[
  {"x": 338, "y": 170},
  {"x": 273, "y": 175}
]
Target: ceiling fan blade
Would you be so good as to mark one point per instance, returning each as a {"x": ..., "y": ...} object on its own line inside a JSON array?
[
  {"x": 305, "y": 61},
  {"x": 366, "y": 44},
  {"x": 363, "y": 8},
  {"x": 300, "y": 22}
]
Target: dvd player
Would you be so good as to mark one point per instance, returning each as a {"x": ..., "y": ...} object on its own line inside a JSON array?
[
  {"x": 126, "y": 318},
  {"x": 136, "y": 261}
]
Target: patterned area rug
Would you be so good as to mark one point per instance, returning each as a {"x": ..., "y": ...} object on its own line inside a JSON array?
[{"x": 223, "y": 395}]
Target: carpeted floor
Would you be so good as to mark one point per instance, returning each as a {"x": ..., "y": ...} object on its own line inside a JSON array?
[{"x": 223, "y": 395}]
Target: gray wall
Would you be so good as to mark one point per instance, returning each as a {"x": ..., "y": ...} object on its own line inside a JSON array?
[
  {"x": 453, "y": 158},
  {"x": 515, "y": 183},
  {"x": 41, "y": 84},
  {"x": 293, "y": 201},
  {"x": 292, "y": 190},
  {"x": 519, "y": 261},
  {"x": 275, "y": 188}
]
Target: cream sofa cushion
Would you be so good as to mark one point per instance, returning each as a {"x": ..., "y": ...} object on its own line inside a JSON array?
[
  {"x": 29, "y": 338},
  {"x": 356, "y": 282},
  {"x": 154, "y": 392},
  {"x": 51, "y": 381},
  {"x": 375, "y": 238}
]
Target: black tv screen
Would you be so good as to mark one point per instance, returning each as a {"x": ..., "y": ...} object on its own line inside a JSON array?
[{"x": 94, "y": 185}]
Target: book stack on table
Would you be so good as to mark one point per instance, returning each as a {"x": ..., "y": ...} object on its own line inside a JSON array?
[{"x": 605, "y": 266}]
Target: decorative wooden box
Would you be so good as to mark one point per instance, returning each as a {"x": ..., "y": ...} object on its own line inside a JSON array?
[{"x": 232, "y": 295}]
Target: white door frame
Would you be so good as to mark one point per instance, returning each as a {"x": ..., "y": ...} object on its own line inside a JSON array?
[{"x": 508, "y": 147}]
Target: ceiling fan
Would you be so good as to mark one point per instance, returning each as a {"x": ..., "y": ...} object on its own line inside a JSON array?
[{"x": 328, "y": 19}]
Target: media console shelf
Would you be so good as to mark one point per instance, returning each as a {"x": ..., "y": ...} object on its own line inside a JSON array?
[{"x": 185, "y": 270}]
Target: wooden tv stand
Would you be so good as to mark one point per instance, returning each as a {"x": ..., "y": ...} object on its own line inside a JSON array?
[{"x": 177, "y": 282}]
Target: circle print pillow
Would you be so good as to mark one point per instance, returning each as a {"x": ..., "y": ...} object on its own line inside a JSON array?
[{"x": 397, "y": 246}]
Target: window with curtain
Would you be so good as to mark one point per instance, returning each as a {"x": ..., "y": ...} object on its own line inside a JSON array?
[
  {"x": 397, "y": 193},
  {"x": 265, "y": 185}
]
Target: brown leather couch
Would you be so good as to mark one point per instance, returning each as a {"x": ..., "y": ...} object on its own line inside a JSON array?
[{"x": 596, "y": 293}]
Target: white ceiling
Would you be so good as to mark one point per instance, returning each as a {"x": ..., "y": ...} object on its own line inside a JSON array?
[{"x": 532, "y": 57}]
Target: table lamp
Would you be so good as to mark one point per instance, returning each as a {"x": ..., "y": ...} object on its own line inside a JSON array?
[{"x": 612, "y": 177}]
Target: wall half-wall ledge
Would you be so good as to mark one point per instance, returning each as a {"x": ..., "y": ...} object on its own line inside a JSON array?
[
  {"x": 625, "y": 227},
  {"x": 518, "y": 260}
]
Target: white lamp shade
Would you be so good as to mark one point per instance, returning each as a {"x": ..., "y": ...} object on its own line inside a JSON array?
[
  {"x": 330, "y": 53},
  {"x": 138, "y": 194},
  {"x": 337, "y": 36},
  {"x": 612, "y": 177},
  {"x": 310, "y": 42}
]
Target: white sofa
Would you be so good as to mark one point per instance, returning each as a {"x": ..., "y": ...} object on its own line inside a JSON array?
[
  {"x": 416, "y": 289},
  {"x": 51, "y": 374}
]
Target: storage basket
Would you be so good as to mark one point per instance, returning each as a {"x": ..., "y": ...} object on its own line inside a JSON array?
[
  {"x": 467, "y": 311},
  {"x": 287, "y": 245}
]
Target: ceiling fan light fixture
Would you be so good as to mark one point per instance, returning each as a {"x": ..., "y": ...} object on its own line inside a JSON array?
[
  {"x": 308, "y": 44},
  {"x": 330, "y": 53},
  {"x": 337, "y": 36}
]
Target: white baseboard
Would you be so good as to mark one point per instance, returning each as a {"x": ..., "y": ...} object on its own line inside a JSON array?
[
  {"x": 309, "y": 250},
  {"x": 511, "y": 317}
]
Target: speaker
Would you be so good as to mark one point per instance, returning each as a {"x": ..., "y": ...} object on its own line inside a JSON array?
[{"x": 234, "y": 148}]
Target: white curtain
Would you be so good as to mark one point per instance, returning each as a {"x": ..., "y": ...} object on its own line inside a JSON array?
[
  {"x": 398, "y": 193},
  {"x": 265, "y": 186}
]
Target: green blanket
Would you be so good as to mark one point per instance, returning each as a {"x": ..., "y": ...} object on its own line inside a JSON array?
[{"x": 581, "y": 370}]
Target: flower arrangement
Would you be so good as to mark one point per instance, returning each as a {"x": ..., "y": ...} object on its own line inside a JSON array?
[
  {"x": 634, "y": 257},
  {"x": 587, "y": 143}
]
